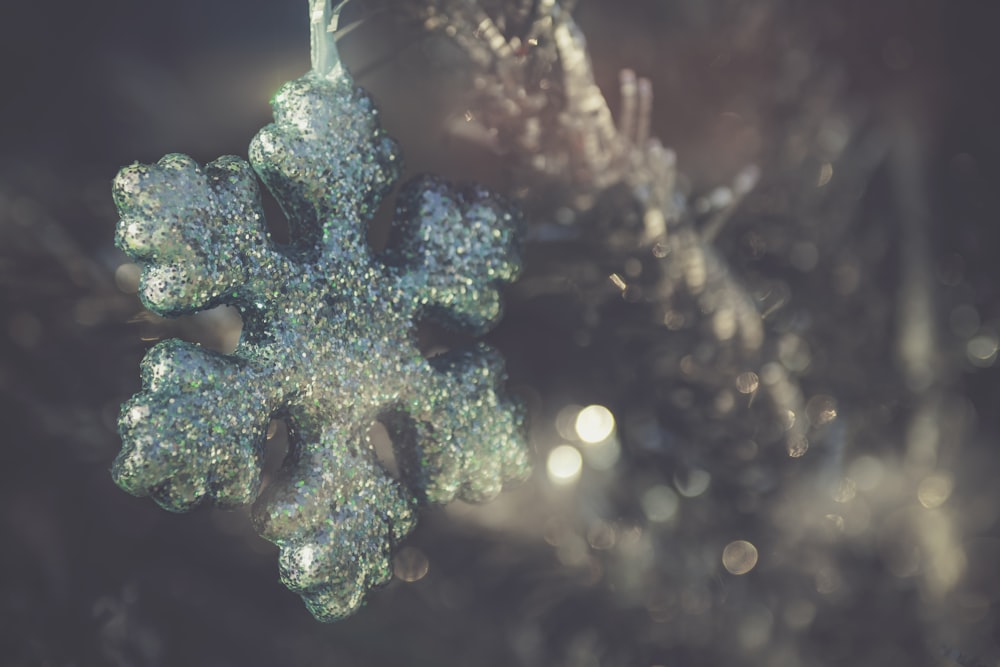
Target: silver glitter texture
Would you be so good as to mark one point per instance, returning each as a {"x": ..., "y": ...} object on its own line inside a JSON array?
[{"x": 327, "y": 344}]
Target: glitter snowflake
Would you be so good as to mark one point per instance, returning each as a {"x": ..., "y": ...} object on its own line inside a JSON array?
[{"x": 327, "y": 343}]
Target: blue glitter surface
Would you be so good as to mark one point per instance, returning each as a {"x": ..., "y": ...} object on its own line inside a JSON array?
[{"x": 328, "y": 337}]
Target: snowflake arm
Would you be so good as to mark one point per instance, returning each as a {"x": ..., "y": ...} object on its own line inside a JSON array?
[
  {"x": 453, "y": 249},
  {"x": 325, "y": 132},
  {"x": 170, "y": 452},
  {"x": 336, "y": 516},
  {"x": 195, "y": 230},
  {"x": 448, "y": 451}
]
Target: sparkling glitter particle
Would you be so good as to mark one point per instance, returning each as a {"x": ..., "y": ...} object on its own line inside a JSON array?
[{"x": 328, "y": 337}]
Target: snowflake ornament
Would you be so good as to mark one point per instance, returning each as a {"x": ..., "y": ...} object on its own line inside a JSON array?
[{"x": 328, "y": 337}]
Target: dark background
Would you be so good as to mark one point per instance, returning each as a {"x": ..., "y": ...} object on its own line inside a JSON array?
[{"x": 92, "y": 576}]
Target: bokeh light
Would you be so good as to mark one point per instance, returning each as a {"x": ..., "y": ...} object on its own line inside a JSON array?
[
  {"x": 410, "y": 564},
  {"x": 747, "y": 383},
  {"x": 602, "y": 455},
  {"x": 595, "y": 423},
  {"x": 739, "y": 557},
  {"x": 934, "y": 490},
  {"x": 981, "y": 350},
  {"x": 127, "y": 277},
  {"x": 659, "y": 503},
  {"x": 692, "y": 483},
  {"x": 564, "y": 464}
]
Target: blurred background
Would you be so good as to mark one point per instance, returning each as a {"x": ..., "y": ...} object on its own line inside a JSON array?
[{"x": 825, "y": 496}]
